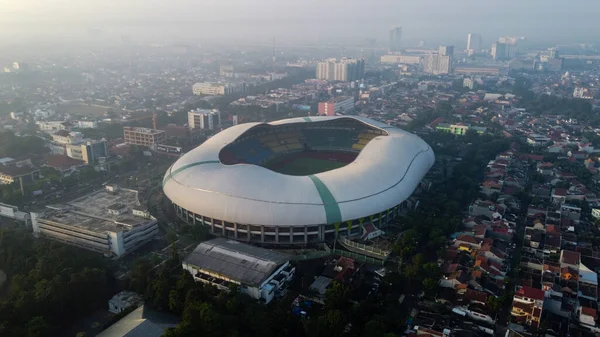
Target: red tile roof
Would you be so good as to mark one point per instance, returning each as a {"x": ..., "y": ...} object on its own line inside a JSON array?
[
  {"x": 534, "y": 293},
  {"x": 588, "y": 311},
  {"x": 570, "y": 257},
  {"x": 63, "y": 162}
]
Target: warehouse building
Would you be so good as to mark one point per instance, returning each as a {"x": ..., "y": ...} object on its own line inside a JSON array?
[
  {"x": 260, "y": 273},
  {"x": 109, "y": 221}
]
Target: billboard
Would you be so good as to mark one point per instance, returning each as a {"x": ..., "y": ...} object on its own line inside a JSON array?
[
  {"x": 235, "y": 120},
  {"x": 167, "y": 149}
]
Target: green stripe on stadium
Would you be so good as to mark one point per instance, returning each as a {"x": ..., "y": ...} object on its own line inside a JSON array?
[
  {"x": 332, "y": 209},
  {"x": 307, "y": 119},
  {"x": 185, "y": 167}
]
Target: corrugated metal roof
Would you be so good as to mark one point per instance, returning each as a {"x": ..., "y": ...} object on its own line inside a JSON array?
[{"x": 244, "y": 263}]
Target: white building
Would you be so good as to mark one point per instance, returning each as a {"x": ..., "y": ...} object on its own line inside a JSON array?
[
  {"x": 44, "y": 113},
  {"x": 53, "y": 126},
  {"x": 260, "y": 273},
  {"x": 16, "y": 115},
  {"x": 87, "y": 124},
  {"x": 64, "y": 137},
  {"x": 110, "y": 221},
  {"x": 204, "y": 119},
  {"x": 344, "y": 70},
  {"x": 474, "y": 43},
  {"x": 217, "y": 89},
  {"x": 400, "y": 59}
]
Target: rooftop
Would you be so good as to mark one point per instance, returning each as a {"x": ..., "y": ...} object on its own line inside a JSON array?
[
  {"x": 141, "y": 322},
  {"x": 238, "y": 261},
  {"x": 90, "y": 212},
  {"x": 142, "y": 130}
]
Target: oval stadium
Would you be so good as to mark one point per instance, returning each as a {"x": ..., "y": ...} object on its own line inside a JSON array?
[{"x": 295, "y": 181}]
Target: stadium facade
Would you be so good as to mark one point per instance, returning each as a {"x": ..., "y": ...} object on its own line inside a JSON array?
[{"x": 259, "y": 182}]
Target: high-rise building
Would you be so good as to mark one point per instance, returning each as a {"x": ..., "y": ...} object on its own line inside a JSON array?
[
  {"x": 446, "y": 50},
  {"x": 344, "y": 70},
  {"x": 505, "y": 48},
  {"x": 204, "y": 119},
  {"x": 143, "y": 136},
  {"x": 395, "y": 38},
  {"x": 440, "y": 63},
  {"x": 474, "y": 43}
]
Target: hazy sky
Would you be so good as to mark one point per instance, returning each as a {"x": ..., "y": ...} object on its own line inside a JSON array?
[{"x": 322, "y": 19}]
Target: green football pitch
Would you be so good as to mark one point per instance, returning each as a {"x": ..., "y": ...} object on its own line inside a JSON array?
[{"x": 303, "y": 166}]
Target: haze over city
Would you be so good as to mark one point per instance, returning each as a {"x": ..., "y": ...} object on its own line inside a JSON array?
[
  {"x": 304, "y": 168},
  {"x": 316, "y": 21}
]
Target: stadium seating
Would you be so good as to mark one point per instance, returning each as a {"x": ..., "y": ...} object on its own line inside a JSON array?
[
  {"x": 363, "y": 139},
  {"x": 338, "y": 139},
  {"x": 265, "y": 147},
  {"x": 251, "y": 151}
]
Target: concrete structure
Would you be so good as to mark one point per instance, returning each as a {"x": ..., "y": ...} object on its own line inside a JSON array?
[
  {"x": 400, "y": 59},
  {"x": 143, "y": 136},
  {"x": 260, "y": 273},
  {"x": 474, "y": 43},
  {"x": 123, "y": 301},
  {"x": 110, "y": 221},
  {"x": 440, "y": 63},
  {"x": 337, "y": 105},
  {"x": 459, "y": 129},
  {"x": 298, "y": 209},
  {"x": 16, "y": 115},
  {"x": 64, "y": 137},
  {"x": 87, "y": 124},
  {"x": 22, "y": 175},
  {"x": 226, "y": 70},
  {"x": 217, "y": 89},
  {"x": 89, "y": 151},
  {"x": 395, "y": 38},
  {"x": 468, "y": 83},
  {"x": 344, "y": 70},
  {"x": 142, "y": 322},
  {"x": 204, "y": 119},
  {"x": 528, "y": 304},
  {"x": 12, "y": 212},
  {"x": 537, "y": 140},
  {"x": 53, "y": 126}
]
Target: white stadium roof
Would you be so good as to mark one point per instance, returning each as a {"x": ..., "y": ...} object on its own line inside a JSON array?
[{"x": 384, "y": 174}]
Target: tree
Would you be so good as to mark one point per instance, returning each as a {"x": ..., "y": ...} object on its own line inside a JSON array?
[
  {"x": 37, "y": 327},
  {"x": 494, "y": 303},
  {"x": 430, "y": 285},
  {"x": 337, "y": 296}
]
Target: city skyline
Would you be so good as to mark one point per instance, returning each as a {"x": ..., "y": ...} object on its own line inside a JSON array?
[{"x": 233, "y": 20}]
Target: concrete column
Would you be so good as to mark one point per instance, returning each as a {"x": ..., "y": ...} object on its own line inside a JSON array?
[
  {"x": 262, "y": 234},
  {"x": 235, "y": 230},
  {"x": 212, "y": 225},
  {"x": 291, "y": 234},
  {"x": 277, "y": 234},
  {"x": 223, "y": 232},
  {"x": 321, "y": 232},
  {"x": 305, "y": 234}
]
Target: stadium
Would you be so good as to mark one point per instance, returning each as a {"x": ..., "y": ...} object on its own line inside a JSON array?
[{"x": 296, "y": 181}]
